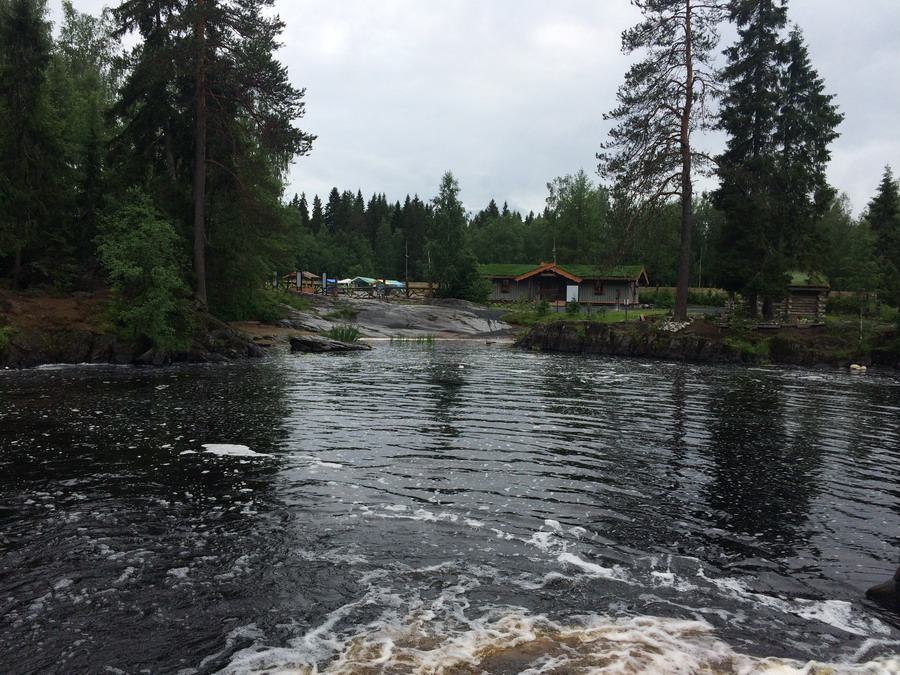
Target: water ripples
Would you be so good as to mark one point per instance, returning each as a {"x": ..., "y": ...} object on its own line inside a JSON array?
[{"x": 455, "y": 501}]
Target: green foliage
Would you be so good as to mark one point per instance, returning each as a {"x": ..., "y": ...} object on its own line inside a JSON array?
[
  {"x": 451, "y": 261},
  {"x": 32, "y": 166},
  {"x": 577, "y": 215},
  {"x": 346, "y": 313},
  {"x": 263, "y": 303},
  {"x": 773, "y": 189},
  {"x": 852, "y": 304},
  {"x": 758, "y": 347},
  {"x": 139, "y": 251},
  {"x": 543, "y": 307},
  {"x": 573, "y": 308},
  {"x": 701, "y": 297},
  {"x": 664, "y": 297},
  {"x": 6, "y": 333},
  {"x": 651, "y": 154},
  {"x": 883, "y": 219},
  {"x": 343, "y": 333},
  {"x": 202, "y": 83},
  {"x": 294, "y": 300}
]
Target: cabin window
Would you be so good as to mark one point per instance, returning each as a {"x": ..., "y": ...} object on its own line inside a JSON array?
[
  {"x": 598, "y": 287},
  {"x": 505, "y": 285}
]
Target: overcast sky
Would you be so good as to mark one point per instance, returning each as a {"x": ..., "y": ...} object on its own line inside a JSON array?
[{"x": 509, "y": 94}]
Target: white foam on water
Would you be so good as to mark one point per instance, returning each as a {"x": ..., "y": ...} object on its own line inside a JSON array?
[
  {"x": 179, "y": 572},
  {"x": 424, "y": 642},
  {"x": 315, "y": 461},
  {"x": 545, "y": 540},
  {"x": 840, "y": 614},
  {"x": 836, "y": 613},
  {"x": 594, "y": 570},
  {"x": 671, "y": 580},
  {"x": 231, "y": 450}
]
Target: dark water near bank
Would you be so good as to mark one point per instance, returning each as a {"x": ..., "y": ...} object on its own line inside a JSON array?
[{"x": 455, "y": 508}]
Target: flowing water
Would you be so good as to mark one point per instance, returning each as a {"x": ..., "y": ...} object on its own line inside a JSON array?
[{"x": 450, "y": 508}]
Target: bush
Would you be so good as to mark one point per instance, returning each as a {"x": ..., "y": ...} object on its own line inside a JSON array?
[
  {"x": 573, "y": 308},
  {"x": 710, "y": 297},
  {"x": 140, "y": 252},
  {"x": 851, "y": 304},
  {"x": 5, "y": 337},
  {"x": 663, "y": 298}
]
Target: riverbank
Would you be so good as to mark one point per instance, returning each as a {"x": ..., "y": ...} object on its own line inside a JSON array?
[
  {"x": 808, "y": 345},
  {"x": 37, "y": 329},
  {"x": 40, "y": 328}
]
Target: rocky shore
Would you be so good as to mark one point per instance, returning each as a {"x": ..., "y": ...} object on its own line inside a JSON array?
[
  {"x": 30, "y": 346},
  {"x": 37, "y": 330},
  {"x": 41, "y": 329},
  {"x": 815, "y": 346}
]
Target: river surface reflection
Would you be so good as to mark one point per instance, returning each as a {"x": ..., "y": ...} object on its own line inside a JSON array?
[{"x": 447, "y": 508}]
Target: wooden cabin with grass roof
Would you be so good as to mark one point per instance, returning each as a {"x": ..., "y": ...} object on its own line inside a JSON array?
[
  {"x": 807, "y": 296},
  {"x": 561, "y": 283}
]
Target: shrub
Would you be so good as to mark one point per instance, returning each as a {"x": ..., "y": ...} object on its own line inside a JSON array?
[
  {"x": 703, "y": 297},
  {"x": 664, "y": 298},
  {"x": 573, "y": 308},
  {"x": 5, "y": 337},
  {"x": 710, "y": 297},
  {"x": 851, "y": 304},
  {"x": 140, "y": 252},
  {"x": 747, "y": 346}
]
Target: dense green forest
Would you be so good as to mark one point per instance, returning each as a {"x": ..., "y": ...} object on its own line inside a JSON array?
[{"x": 160, "y": 170}]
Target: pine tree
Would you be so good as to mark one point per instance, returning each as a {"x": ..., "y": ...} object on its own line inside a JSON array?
[
  {"x": 883, "y": 218},
  {"x": 773, "y": 190},
  {"x": 450, "y": 259},
  {"x": 416, "y": 223},
  {"x": 334, "y": 212},
  {"x": 317, "y": 217},
  {"x": 651, "y": 156},
  {"x": 29, "y": 148},
  {"x": 211, "y": 62},
  {"x": 83, "y": 90}
]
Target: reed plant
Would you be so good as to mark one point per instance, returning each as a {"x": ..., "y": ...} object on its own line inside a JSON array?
[{"x": 343, "y": 333}]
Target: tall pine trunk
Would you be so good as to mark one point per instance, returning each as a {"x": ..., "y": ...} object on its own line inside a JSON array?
[
  {"x": 199, "y": 192},
  {"x": 682, "y": 279}
]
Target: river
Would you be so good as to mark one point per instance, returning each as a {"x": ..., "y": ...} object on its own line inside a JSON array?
[{"x": 456, "y": 507}]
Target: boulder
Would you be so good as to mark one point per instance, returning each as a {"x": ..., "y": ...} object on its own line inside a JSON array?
[
  {"x": 316, "y": 344},
  {"x": 887, "y": 594}
]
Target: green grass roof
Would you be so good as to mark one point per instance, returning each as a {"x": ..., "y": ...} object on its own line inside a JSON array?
[
  {"x": 504, "y": 270},
  {"x": 583, "y": 271}
]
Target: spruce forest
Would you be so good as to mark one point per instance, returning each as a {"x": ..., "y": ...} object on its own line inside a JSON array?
[{"x": 159, "y": 170}]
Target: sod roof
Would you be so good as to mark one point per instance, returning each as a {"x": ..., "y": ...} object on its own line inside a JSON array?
[{"x": 583, "y": 271}]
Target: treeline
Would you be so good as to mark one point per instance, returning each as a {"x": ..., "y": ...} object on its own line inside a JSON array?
[
  {"x": 161, "y": 170},
  {"x": 348, "y": 236}
]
